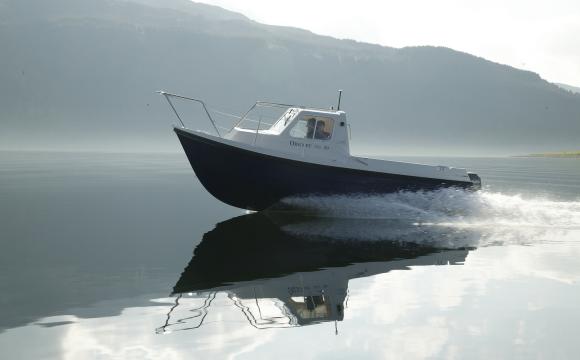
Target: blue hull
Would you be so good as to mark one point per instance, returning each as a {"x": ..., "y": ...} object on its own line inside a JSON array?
[{"x": 253, "y": 181}]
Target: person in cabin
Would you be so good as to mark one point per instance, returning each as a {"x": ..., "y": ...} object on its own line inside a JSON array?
[{"x": 321, "y": 133}]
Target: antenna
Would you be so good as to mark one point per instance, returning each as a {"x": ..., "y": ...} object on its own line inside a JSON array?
[{"x": 339, "y": 96}]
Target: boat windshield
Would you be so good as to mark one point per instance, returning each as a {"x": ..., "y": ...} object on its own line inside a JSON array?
[
  {"x": 266, "y": 118},
  {"x": 284, "y": 120}
]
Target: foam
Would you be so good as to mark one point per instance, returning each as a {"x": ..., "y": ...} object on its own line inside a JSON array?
[{"x": 451, "y": 217}]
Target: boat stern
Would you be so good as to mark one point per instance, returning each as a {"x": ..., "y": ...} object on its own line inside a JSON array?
[{"x": 475, "y": 180}]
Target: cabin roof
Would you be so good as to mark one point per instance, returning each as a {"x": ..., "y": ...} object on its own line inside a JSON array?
[
  {"x": 302, "y": 108},
  {"x": 324, "y": 112}
]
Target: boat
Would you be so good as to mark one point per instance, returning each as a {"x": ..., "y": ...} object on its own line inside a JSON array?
[{"x": 305, "y": 151}]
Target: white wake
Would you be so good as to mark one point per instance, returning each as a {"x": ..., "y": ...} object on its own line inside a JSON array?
[{"x": 450, "y": 217}]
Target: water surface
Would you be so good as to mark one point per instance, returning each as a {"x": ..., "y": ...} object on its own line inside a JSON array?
[{"x": 126, "y": 256}]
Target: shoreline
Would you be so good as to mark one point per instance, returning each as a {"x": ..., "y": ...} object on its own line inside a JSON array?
[{"x": 563, "y": 154}]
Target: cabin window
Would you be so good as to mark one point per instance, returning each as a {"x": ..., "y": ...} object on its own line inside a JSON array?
[
  {"x": 309, "y": 127},
  {"x": 323, "y": 128}
]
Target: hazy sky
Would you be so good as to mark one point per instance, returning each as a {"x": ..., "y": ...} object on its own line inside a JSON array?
[{"x": 542, "y": 36}]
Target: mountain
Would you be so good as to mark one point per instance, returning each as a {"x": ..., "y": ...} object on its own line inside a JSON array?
[
  {"x": 81, "y": 74},
  {"x": 571, "y": 88}
]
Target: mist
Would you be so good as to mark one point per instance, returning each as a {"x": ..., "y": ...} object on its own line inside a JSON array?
[{"x": 81, "y": 76}]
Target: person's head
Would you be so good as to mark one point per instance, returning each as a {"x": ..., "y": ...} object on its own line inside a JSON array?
[{"x": 320, "y": 125}]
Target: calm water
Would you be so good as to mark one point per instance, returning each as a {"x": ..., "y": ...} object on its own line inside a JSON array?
[{"x": 126, "y": 256}]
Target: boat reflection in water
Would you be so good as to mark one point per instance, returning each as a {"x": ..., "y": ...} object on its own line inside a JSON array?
[{"x": 283, "y": 271}]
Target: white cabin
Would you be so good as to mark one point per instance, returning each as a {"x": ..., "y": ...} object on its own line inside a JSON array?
[{"x": 306, "y": 132}]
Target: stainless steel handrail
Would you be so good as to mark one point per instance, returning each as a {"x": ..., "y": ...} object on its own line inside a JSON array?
[
  {"x": 290, "y": 105},
  {"x": 167, "y": 95},
  {"x": 244, "y": 116}
]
